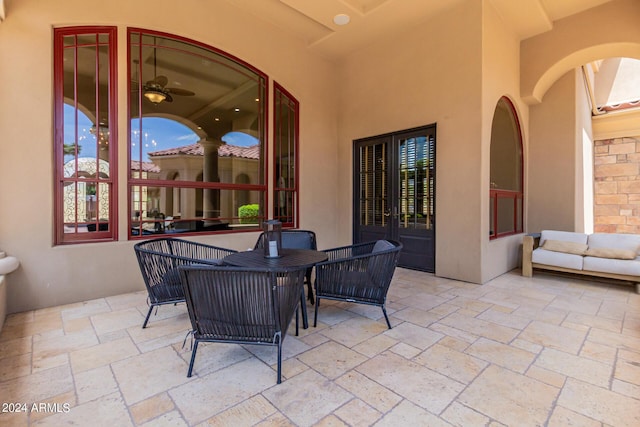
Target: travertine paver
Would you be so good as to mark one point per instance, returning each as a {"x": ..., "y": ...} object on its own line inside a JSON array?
[
  {"x": 525, "y": 402},
  {"x": 600, "y": 404},
  {"x": 554, "y": 336},
  {"x": 548, "y": 350},
  {"x": 426, "y": 388}
]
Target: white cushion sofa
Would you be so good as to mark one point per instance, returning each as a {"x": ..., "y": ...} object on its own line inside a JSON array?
[{"x": 609, "y": 255}]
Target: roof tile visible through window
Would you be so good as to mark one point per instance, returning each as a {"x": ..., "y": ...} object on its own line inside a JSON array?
[{"x": 226, "y": 150}]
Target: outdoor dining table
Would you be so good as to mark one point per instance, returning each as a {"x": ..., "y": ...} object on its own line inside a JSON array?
[{"x": 306, "y": 258}]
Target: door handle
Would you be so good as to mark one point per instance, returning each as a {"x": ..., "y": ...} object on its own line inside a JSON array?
[{"x": 386, "y": 213}]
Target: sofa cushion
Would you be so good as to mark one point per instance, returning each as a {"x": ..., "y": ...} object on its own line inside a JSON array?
[
  {"x": 615, "y": 266},
  {"x": 564, "y": 246},
  {"x": 612, "y": 253},
  {"x": 557, "y": 259},
  {"x": 566, "y": 236},
  {"x": 630, "y": 242}
]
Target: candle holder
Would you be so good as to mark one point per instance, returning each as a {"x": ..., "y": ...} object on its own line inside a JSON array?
[{"x": 272, "y": 238}]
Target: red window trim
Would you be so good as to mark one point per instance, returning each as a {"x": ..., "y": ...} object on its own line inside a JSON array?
[
  {"x": 60, "y": 237},
  {"x": 296, "y": 188},
  {"x": 516, "y": 196}
]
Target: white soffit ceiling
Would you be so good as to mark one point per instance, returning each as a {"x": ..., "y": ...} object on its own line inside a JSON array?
[{"x": 312, "y": 20}]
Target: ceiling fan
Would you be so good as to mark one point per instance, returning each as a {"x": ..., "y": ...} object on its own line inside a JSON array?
[{"x": 156, "y": 90}]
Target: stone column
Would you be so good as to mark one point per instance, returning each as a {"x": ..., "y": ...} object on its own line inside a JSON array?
[{"x": 210, "y": 198}]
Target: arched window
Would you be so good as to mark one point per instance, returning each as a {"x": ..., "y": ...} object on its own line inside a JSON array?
[
  {"x": 205, "y": 112},
  {"x": 197, "y": 121},
  {"x": 506, "y": 187}
]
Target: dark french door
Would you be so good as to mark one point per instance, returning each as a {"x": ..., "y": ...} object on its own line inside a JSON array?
[{"x": 394, "y": 193}]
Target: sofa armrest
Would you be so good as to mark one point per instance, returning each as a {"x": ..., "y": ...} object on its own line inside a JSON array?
[{"x": 529, "y": 243}]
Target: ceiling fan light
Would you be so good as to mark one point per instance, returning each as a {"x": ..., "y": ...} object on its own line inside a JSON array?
[{"x": 155, "y": 96}]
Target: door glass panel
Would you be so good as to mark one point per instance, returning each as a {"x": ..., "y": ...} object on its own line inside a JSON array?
[
  {"x": 374, "y": 206},
  {"x": 415, "y": 156}
]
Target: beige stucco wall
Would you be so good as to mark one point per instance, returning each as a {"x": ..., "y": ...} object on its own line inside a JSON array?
[
  {"x": 551, "y": 161},
  {"x": 56, "y": 275},
  {"x": 415, "y": 79},
  {"x": 561, "y": 131},
  {"x": 500, "y": 77},
  {"x": 450, "y": 70},
  {"x": 460, "y": 98},
  {"x": 606, "y": 31},
  {"x": 583, "y": 209}
]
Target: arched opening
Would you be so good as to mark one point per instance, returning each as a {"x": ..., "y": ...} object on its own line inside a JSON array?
[{"x": 506, "y": 172}]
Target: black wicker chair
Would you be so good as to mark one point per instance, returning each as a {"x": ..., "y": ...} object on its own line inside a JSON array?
[
  {"x": 159, "y": 260},
  {"x": 241, "y": 305},
  {"x": 296, "y": 239},
  {"x": 359, "y": 273}
]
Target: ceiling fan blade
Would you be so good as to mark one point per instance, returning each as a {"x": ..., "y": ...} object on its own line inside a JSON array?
[
  {"x": 160, "y": 80},
  {"x": 178, "y": 91}
]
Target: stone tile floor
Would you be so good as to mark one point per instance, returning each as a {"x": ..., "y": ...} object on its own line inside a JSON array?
[{"x": 542, "y": 351}]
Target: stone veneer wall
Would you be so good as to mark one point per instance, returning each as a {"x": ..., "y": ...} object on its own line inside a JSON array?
[{"x": 617, "y": 185}]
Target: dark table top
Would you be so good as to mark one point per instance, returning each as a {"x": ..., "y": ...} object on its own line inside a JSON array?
[{"x": 290, "y": 258}]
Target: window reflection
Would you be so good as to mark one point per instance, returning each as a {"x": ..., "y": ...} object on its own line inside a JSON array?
[
  {"x": 197, "y": 132},
  {"x": 84, "y": 72},
  {"x": 156, "y": 210}
]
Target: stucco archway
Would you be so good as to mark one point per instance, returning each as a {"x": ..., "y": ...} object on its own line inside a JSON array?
[
  {"x": 614, "y": 32},
  {"x": 578, "y": 59}
]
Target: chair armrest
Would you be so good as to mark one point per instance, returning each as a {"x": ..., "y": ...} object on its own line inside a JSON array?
[{"x": 344, "y": 252}]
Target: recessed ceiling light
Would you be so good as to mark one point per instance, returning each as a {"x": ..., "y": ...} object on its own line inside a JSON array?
[
  {"x": 341, "y": 19},
  {"x": 237, "y": 110}
]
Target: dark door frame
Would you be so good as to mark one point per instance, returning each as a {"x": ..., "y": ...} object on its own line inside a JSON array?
[{"x": 417, "y": 244}]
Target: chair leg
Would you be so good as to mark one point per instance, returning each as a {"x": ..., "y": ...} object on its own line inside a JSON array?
[
  {"x": 303, "y": 306},
  {"x": 315, "y": 316},
  {"x": 309, "y": 287},
  {"x": 384, "y": 311},
  {"x": 279, "y": 361},
  {"x": 297, "y": 310},
  {"x": 146, "y": 319},
  {"x": 193, "y": 358}
]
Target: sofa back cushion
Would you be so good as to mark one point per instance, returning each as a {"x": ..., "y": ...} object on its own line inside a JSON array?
[
  {"x": 564, "y": 246},
  {"x": 628, "y": 242},
  {"x": 612, "y": 253},
  {"x": 567, "y": 236}
]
